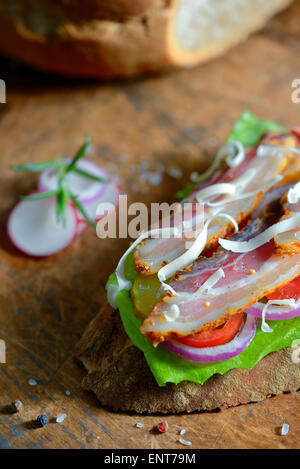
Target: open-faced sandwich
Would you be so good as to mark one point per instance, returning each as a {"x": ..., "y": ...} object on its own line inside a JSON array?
[{"x": 209, "y": 316}]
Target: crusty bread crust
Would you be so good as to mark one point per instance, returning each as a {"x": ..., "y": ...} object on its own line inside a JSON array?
[
  {"x": 88, "y": 49},
  {"x": 104, "y": 39},
  {"x": 116, "y": 10},
  {"x": 119, "y": 375}
]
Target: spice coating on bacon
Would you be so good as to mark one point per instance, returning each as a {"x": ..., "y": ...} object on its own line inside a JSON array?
[
  {"x": 150, "y": 256},
  {"x": 170, "y": 248},
  {"x": 248, "y": 277},
  {"x": 292, "y": 171},
  {"x": 289, "y": 242}
]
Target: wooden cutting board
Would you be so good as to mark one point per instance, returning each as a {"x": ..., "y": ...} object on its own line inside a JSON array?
[{"x": 164, "y": 122}]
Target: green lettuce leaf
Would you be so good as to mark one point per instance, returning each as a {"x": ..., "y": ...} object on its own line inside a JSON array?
[
  {"x": 169, "y": 368},
  {"x": 247, "y": 129}
]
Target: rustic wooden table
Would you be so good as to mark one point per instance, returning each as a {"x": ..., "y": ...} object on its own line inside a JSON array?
[{"x": 177, "y": 120}]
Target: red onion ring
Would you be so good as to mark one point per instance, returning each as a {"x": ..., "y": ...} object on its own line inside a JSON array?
[
  {"x": 272, "y": 314},
  {"x": 219, "y": 352},
  {"x": 94, "y": 189}
]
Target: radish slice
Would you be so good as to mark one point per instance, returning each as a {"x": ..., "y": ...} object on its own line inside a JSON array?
[
  {"x": 275, "y": 312},
  {"x": 110, "y": 194},
  {"x": 81, "y": 226},
  {"x": 82, "y": 187},
  {"x": 33, "y": 227},
  {"x": 219, "y": 352}
]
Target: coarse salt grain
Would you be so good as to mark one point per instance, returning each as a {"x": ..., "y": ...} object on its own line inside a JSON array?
[
  {"x": 285, "y": 429},
  {"x": 60, "y": 418},
  {"x": 152, "y": 178},
  {"x": 32, "y": 382},
  {"x": 175, "y": 172},
  {"x": 16, "y": 406},
  {"x": 185, "y": 442},
  {"x": 182, "y": 432},
  {"x": 139, "y": 425},
  {"x": 194, "y": 176}
]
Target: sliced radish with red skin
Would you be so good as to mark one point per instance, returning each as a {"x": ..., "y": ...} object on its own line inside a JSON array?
[
  {"x": 86, "y": 189},
  {"x": 34, "y": 229},
  {"x": 81, "y": 226}
]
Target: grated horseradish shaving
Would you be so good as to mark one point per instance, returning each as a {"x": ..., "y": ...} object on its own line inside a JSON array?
[
  {"x": 192, "y": 253},
  {"x": 288, "y": 302},
  {"x": 233, "y": 153},
  {"x": 293, "y": 195},
  {"x": 283, "y": 226},
  {"x": 206, "y": 286}
]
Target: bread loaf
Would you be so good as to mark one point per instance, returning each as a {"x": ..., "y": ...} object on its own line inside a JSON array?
[
  {"x": 104, "y": 38},
  {"x": 119, "y": 376}
]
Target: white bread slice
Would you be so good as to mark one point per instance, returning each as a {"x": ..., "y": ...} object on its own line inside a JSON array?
[{"x": 101, "y": 38}]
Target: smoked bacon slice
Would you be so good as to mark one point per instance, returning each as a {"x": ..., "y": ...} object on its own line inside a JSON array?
[
  {"x": 153, "y": 253},
  {"x": 249, "y": 276}
]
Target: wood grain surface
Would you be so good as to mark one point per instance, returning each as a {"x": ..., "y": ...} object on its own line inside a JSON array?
[{"x": 176, "y": 120}]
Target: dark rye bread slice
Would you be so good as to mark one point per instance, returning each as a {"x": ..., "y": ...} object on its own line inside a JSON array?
[{"x": 119, "y": 375}]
